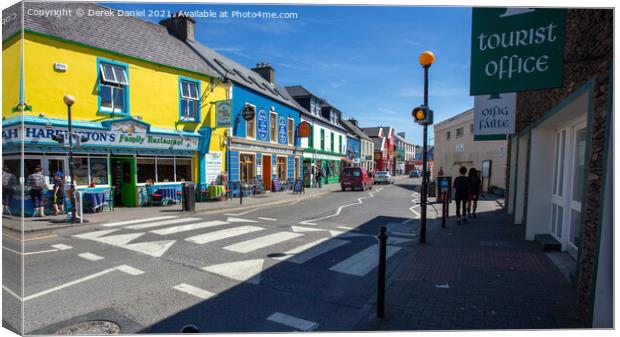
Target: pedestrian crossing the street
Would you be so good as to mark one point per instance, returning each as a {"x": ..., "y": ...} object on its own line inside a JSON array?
[{"x": 245, "y": 238}]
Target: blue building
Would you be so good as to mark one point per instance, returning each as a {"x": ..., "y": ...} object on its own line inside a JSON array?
[{"x": 266, "y": 146}]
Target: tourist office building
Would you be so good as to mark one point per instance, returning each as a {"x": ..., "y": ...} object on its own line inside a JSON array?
[{"x": 144, "y": 116}]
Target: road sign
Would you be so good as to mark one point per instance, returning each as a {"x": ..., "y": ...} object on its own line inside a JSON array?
[
  {"x": 495, "y": 114},
  {"x": 224, "y": 114},
  {"x": 516, "y": 49}
]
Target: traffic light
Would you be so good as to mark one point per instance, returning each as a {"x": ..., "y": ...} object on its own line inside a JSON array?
[
  {"x": 79, "y": 138},
  {"x": 60, "y": 138},
  {"x": 422, "y": 115}
]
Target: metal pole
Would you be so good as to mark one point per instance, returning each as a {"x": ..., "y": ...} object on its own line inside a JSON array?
[
  {"x": 240, "y": 193},
  {"x": 444, "y": 209},
  {"x": 424, "y": 166},
  {"x": 73, "y": 199},
  {"x": 381, "y": 273}
]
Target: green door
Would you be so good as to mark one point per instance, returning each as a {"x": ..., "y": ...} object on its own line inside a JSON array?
[{"x": 124, "y": 179}]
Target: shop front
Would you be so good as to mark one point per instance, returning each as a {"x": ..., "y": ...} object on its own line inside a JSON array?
[
  {"x": 330, "y": 165},
  {"x": 118, "y": 158}
]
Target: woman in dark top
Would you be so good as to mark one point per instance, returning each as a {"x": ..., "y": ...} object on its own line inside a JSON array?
[
  {"x": 474, "y": 192},
  {"x": 461, "y": 194}
]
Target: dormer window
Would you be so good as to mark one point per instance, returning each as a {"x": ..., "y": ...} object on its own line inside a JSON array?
[{"x": 333, "y": 117}]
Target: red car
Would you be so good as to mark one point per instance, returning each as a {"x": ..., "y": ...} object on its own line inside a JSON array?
[{"x": 355, "y": 177}]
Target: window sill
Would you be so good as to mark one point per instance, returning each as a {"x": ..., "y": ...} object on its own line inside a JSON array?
[
  {"x": 110, "y": 112},
  {"x": 188, "y": 121}
]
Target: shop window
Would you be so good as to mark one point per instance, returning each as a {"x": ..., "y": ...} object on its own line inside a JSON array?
[
  {"x": 113, "y": 87},
  {"x": 471, "y": 128},
  {"x": 460, "y": 132},
  {"x": 55, "y": 165},
  {"x": 80, "y": 170},
  {"x": 273, "y": 125},
  {"x": 246, "y": 167},
  {"x": 146, "y": 169},
  {"x": 448, "y": 135},
  {"x": 13, "y": 166},
  {"x": 99, "y": 171},
  {"x": 291, "y": 131},
  {"x": 165, "y": 170},
  {"x": 189, "y": 91},
  {"x": 281, "y": 168},
  {"x": 183, "y": 169},
  {"x": 250, "y": 128}
]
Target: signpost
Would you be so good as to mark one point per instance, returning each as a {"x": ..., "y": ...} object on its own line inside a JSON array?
[
  {"x": 495, "y": 114},
  {"x": 516, "y": 49},
  {"x": 224, "y": 114}
]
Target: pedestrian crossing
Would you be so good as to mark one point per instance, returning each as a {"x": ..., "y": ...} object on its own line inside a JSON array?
[{"x": 250, "y": 243}]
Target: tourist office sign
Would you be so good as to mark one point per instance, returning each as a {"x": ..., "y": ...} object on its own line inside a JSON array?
[
  {"x": 516, "y": 49},
  {"x": 495, "y": 114}
]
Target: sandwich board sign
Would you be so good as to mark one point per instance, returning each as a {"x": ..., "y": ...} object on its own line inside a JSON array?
[{"x": 516, "y": 49}]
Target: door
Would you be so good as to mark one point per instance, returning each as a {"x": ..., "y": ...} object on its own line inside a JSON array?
[
  {"x": 576, "y": 186},
  {"x": 124, "y": 181},
  {"x": 558, "y": 199},
  {"x": 267, "y": 172}
]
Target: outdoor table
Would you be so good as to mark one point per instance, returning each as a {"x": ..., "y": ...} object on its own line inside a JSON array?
[
  {"x": 168, "y": 194},
  {"x": 94, "y": 199},
  {"x": 216, "y": 191}
]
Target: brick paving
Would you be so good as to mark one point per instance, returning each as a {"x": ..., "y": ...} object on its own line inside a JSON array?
[{"x": 480, "y": 275}]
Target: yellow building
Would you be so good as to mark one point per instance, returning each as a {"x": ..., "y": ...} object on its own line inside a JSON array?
[{"x": 144, "y": 100}]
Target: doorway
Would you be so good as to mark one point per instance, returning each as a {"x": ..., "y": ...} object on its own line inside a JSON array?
[
  {"x": 296, "y": 168},
  {"x": 124, "y": 181},
  {"x": 267, "y": 172}
]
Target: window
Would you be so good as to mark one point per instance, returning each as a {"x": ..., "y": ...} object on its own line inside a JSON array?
[
  {"x": 190, "y": 100},
  {"x": 341, "y": 144},
  {"x": 291, "y": 131},
  {"x": 80, "y": 170},
  {"x": 113, "y": 85},
  {"x": 246, "y": 167},
  {"x": 250, "y": 128},
  {"x": 99, "y": 171},
  {"x": 460, "y": 132},
  {"x": 165, "y": 170},
  {"x": 146, "y": 169},
  {"x": 273, "y": 127},
  {"x": 183, "y": 169},
  {"x": 333, "y": 117},
  {"x": 471, "y": 128},
  {"x": 281, "y": 168},
  {"x": 448, "y": 136},
  {"x": 322, "y": 139},
  {"x": 331, "y": 141},
  {"x": 311, "y": 138}
]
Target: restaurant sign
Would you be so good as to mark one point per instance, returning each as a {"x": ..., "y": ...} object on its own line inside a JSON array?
[
  {"x": 224, "y": 114},
  {"x": 262, "y": 125},
  {"x": 516, "y": 49},
  {"x": 282, "y": 135}
]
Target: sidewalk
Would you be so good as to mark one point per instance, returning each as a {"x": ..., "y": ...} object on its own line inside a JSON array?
[
  {"x": 48, "y": 223},
  {"x": 479, "y": 275}
]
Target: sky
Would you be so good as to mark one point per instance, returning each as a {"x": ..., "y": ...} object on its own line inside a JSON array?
[{"x": 362, "y": 59}]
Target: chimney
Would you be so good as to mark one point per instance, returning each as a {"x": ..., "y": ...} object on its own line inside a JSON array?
[
  {"x": 181, "y": 26},
  {"x": 402, "y": 134},
  {"x": 353, "y": 121},
  {"x": 266, "y": 71}
]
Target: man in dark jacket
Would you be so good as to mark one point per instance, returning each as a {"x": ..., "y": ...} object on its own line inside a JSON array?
[{"x": 461, "y": 194}]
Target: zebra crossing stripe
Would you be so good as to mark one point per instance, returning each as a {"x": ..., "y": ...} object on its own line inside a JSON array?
[
  {"x": 222, "y": 234},
  {"x": 363, "y": 262},
  {"x": 190, "y": 227},
  {"x": 194, "y": 291},
  {"x": 261, "y": 242},
  {"x": 135, "y": 221},
  {"x": 90, "y": 256},
  {"x": 311, "y": 250},
  {"x": 293, "y": 322},
  {"x": 162, "y": 223}
]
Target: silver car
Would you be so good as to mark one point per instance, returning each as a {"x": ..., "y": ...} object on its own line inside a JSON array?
[{"x": 383, "y": 177}]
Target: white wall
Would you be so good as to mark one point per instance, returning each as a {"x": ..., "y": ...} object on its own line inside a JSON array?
[
  {"x": 540, "y": 183},
  {"x": 317, "y": 137}
]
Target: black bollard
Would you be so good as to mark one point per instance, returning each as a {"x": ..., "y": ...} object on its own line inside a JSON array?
[
  {"x": 381, "y": 273},
  {"x": 444, "y": 210},
  {"x": 240, "y": 193}
]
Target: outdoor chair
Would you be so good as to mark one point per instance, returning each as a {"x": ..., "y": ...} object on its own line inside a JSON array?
[{"x": 152, "y": 197}]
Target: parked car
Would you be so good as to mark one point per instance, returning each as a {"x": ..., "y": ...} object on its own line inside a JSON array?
[
  {"x": 354, "y": 178},
  {"x": 414, "y": 174},
  {"x": 384, "y": 177}
]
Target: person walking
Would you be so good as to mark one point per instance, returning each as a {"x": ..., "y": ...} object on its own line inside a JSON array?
[
  {"x": 474, "y": 192},
  {"x": 9, "y": 185},
  {"x": 461, "y": 194},
  {"x": 36, "y": 183},
  {"x": 59, "y": 193},
  {"x": 319, "y": 176}
]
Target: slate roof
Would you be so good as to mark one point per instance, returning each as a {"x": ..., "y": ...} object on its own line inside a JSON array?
[
  {"x": 378, "y": 143},
  {"x": 121, "y": 34},
  {"x": 298, "y": 91},
  {"x": 354, "y": 129},
  {"x": 372, "y": 132}
]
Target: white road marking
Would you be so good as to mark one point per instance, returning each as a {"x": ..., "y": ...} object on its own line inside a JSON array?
[
  {"x": 347, "y": 234},
  {"x": 95, "y": 234},
  {"x": 359, "y": 202},
  {"x": 194, "y": 291},
  {"x": 123, "y": 268},
  {"x": 222, "y": 234},
  {"x": 11, "y": 250},
  {"x": 90, "y": 256},
  {"x": 267, "y": 219},
  {"x": 244, "y": 271},
  {"x": 311, "y": 250},
  {"x": 242, "y": 213},
  {"x": 239, "y": 220},
  {"x": 162, "y": 223},
  {"x": 30, "y": 253},
  {"x": 299, "y": 229},
  {"x": 119, "y": 240},
  {"x": 293, "y": 322},
  {"x": 395, "y": 241},
  {"x": 345, "y": 227},
  {"x": 60, "y": 246},
  {"x": 363, "y": 262},
  {"x": 11, "y": 292},
  {"x": 404, "y": 234},
  {"x": 190, "y": 227},
  {"x": 152, "y": 248},
  {"x": 261, "y": 242},
  {"x": 129, "y": 222}
]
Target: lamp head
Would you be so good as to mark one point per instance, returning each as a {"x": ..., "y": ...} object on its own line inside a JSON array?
[
  {"x": 69, "y": 100},
  {"x": 427, "y": 58}
]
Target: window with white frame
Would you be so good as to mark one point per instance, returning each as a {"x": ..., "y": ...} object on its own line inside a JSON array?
[
  {"x": 113, "y": 83},
  {"x": 190, "y": 101},
  {"x": 273, "y": 127},
  {"x": 164, "y": 169},
  {"x": 291, "y": 131}
]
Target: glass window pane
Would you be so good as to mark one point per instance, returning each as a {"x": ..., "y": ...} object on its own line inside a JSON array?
[
  {"x": 193, "y": 90},
  {"x": 184, "y": 89},
  {"x": 561, "y": 162},
  {"x": 560, "y": 216},
  {"x": 80, "y": 170},
  {"x": 30, "y": 165},
  {"x": 184, "y": 169},
  {"x": 105, "y": 94},
  {"x": 99, "y": 170},
  {"x": 107, "y": 73},
  {"x": 579, "y": 164},
  {"x": 272, "y": 127},
  {"x": 165, "y": 170},
  {"x": 250, "y": 128},
  {"x": 119, "y": 99},
  {"x": 575, "y": 227},
  {"x": 146, "y": 169},
  {"x": 291, "y": 131},
  {"x": 121, "y": 76}
]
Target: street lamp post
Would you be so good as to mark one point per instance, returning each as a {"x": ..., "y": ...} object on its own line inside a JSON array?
[
  {"x": 69, "y": 100},
  {"x": 426, "y": 60}
]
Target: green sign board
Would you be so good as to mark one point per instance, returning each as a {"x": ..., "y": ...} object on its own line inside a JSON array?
[
  {"x": 516, "y": 49},
  {"x": 223, "y": 114}
]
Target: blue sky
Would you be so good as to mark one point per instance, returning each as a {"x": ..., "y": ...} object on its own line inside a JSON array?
[{"x": 362, "y": 59}]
